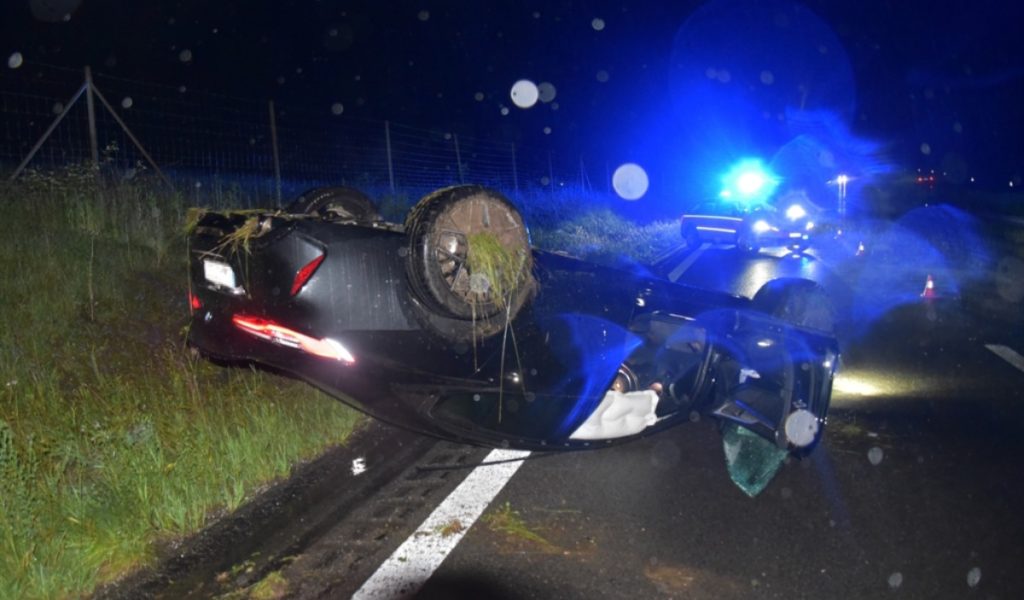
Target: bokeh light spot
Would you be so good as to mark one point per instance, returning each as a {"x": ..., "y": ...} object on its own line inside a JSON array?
[
  {"x": 15, "y": 60},
  {"x": 602, "y": 76},
  {"x": 185, "y": 55},
  {"x": 546, "y": 92},
  {"x": 630, "y": 181},
  {"x": 597, "y": 24},
  {"x": 337, "y": 108},
  {"x": 524, "y": 93},
  {"x": 926, "y": 148},
  {"x": 127, "y": 102}
]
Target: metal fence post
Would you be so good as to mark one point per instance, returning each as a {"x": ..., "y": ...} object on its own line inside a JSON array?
[
  {"x": 277, "y": 161},
  {"x": 551, "y": 174},
  {"x": 515, "y": 171},
  {"x": 387, "y": 144},
  {"x": 458, "y": 158},
  {"x": 91, "y": 106}
]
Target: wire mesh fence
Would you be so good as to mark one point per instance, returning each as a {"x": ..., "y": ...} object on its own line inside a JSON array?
[{"x": 210, "y": 146}]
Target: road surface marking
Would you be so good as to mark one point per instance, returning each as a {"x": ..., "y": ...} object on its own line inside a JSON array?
[
  {"x": 1008, "y": 354},
  {"x": 412, "y": 564},
  {"x": 681, "y": 268}
]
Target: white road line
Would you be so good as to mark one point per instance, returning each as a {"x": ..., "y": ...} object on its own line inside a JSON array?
[
  {"x": 412, "y": 564},
  {"x": 1008, "y": 354},
  {"x": 681, "y": 268}
]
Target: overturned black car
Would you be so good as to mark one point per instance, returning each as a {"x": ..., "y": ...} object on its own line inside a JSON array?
[{"x": 452, "y": 325}]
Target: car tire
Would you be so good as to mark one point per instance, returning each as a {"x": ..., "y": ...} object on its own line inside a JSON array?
[
  {"x": 441, "y": 229},
  {"x": 747, "y": 245},
  {"x": 336, "y": 204},
  {"x": 690, "y": 235},
  {"x": 800, "y": 302}
]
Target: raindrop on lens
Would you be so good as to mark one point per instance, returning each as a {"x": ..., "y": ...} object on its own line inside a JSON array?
[
  {"x": 974, "y": 577},
  {"x": 524, "y": 93},
  {"x": 547, "y": 131},
  {"x": 597, "y": 24},
  {"x": 896, "y": 580},
  {"x": 926, "y": 148},
  {"x": 479, "y": 96},
  {"x": 767, "y": 77},
  {"x": 546, "y": 92},
  {"x": 423, "y": 15},
  {"x": 875, "y": 455},
  {"x": 630, "y": 181},
  {"x": 127, "y": 102},
  {"x": 15, "y": 60},
  {"x": 337, "y": 108},
  {"x": 185, "y": 55},
  {"x": 602, "y": 76}
]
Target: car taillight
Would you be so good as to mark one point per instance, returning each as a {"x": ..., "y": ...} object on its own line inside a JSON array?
[
  {"x": 193, "y": 302},
  {"x": 282, "y": 336},
  {"x": 305, "y": 273}
]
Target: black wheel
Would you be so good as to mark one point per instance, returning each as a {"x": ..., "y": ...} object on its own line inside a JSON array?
[
  {"x": 691, "y": 236},
  {"x": 800, "y": 302},
  {"x": 336, "y": 204},
  {"x": 469, "y": 255},
  {"x": 746, "y": 243}
]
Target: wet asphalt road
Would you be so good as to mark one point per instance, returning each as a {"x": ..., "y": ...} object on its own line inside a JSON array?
[
  {"x": 937, "y": 513},
  {"x": 660, "y": 518}
]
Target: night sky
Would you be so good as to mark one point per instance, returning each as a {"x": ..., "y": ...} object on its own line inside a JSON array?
[{"x": 676, "y": 86}]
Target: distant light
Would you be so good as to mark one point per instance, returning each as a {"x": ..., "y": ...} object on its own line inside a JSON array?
[
  {"x": 337, "y": 108},
  {"x": 15, "y": 60},
  {"x": 972, "y": 180},
  {"x": 749, "y": 183},
  {"x": 761, "y": 226},
  {"x": 765, "y": 343},
  {"x": 630, "y": 181},
  {"x": 749, "y": 180},
  {"x": 810, "y": 225},
  {"x": 795, "y": 212},
  {"x": 597, "y": 24},
  {"x": 524, "y": 93},
  {"x": 843, "y": 179},
  {"x": 602, "y": 76},
  {"x": 546, "y": 92}
]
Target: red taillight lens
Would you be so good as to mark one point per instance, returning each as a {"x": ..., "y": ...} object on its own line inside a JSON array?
[
  {"x": 305, "y": 273},
  {"x": 282, "y": 336},
  {"x": 193, "y": 302}
]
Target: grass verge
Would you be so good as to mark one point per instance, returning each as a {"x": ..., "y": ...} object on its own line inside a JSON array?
[{"x": 115, "y": 442}]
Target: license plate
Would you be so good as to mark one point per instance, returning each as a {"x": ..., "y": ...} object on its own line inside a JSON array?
[{"x": 219, "y": 273}]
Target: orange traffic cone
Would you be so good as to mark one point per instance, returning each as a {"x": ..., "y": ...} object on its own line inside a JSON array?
[{"x": 929, "y": 288}]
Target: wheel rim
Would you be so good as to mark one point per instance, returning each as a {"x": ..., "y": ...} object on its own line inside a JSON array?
[{"x": 468, "y": 223}]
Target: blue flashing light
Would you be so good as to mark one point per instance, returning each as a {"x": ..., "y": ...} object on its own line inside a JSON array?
[{"x": 749, "y": 182}]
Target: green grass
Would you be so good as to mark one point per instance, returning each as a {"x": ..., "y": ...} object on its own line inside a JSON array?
[
  {"x": 115, "y": 442},
  {"x": 603, "y": 236}
]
